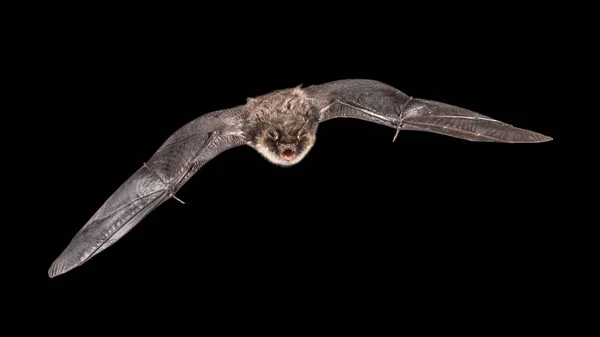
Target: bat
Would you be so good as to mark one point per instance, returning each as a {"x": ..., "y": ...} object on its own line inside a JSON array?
[{"x": 281, "y": 126}]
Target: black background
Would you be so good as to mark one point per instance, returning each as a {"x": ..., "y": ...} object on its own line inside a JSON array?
[{"x": 426, "y": 222}]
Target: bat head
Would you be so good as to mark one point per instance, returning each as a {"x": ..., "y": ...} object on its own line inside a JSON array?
[
  {"x": 286, "y": 142},
  {"x": 282, "y": 126}
]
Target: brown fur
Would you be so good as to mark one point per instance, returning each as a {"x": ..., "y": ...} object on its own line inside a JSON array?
[{"x": 289, "y": 114}]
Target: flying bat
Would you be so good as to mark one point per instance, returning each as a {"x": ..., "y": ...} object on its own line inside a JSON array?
[{"x": 281, "y": 126}]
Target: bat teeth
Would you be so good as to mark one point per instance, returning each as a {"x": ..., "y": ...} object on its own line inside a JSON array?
[{"x": 288, "y": 154}]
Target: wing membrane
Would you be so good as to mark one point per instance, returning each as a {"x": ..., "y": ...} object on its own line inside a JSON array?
[
  {"x": 173, "y": 164},
  {"x": 126, "y": 207},
  {"x": 380, "y": 103},
  {"x": 449, "y": 120}
]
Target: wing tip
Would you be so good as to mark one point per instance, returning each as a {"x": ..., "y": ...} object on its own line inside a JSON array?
[
  {"x": 535, "y": 137},
  {"x": 59, "y": 267},
  {"x": 519, "y": 135},
  {"x": 54, "y": 270}
]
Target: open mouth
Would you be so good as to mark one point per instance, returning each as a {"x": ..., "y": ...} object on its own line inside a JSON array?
[{"x": 288, "y": 154}]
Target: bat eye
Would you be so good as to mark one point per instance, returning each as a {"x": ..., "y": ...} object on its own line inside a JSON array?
[
  {"x": 273, "y": 134},
  {"x": 302, "y": 134}
]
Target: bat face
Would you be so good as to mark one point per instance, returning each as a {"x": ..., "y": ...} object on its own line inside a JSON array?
[
  {"x": 282, "y": 126},
  {"x": 286, "y": 142}
]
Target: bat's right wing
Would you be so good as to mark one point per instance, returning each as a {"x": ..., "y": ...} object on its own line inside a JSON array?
[
  {"x": 153, "y": 183},
  {"x": 380, "y": 103},
  {"x": 450, "y": 120}
]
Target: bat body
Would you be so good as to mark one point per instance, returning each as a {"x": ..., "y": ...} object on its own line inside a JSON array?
[{"x": 282, "y": 127}]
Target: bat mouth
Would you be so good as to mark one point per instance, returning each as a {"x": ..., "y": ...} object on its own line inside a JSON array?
[{"x": 288, "y": 154}]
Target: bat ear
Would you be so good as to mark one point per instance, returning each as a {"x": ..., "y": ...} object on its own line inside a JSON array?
[
  {"x": 298, "y": 90},
  {"x": 250, "y": 101}
]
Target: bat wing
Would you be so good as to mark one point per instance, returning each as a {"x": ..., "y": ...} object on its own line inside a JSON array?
[
  {"x": 171, "y": 166},
  {"x": 380, "y": 103}
]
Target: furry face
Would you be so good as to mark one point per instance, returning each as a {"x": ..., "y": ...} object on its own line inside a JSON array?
[
  {"x": 282, "y": 126},
  {"x": 288, "y": 143}
]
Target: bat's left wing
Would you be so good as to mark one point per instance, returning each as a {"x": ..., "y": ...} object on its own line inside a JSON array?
[
  {"x": 380, "y": 103},
  {"x": 156, "y": 181}
]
